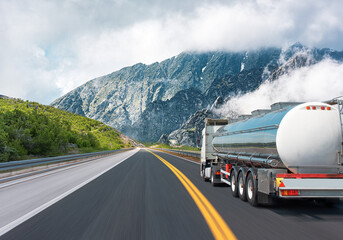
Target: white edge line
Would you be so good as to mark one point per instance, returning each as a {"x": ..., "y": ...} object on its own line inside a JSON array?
[
  {"x": 185, "y": 159},
  {"x": 34, "y": 212}
]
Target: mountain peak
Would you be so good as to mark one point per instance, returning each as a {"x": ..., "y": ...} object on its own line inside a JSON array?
[
  {"x": 146, "y": 101},
  {"x": 297, "y": 45}
]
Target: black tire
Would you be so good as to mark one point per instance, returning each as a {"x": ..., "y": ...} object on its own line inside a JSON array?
[
  {"x": 241, "y": 186},
  {"x": 251, "y": 190},
  {"x": 233, "y": 179},
  {"x": 212, "y": 179}
]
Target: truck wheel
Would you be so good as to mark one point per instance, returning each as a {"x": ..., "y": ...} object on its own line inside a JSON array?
[
  {"x": 212, "y": 179},
  {"x": 241, "y": 187},
  {"x": 233, "y": 179},
  {"x": 251, "y": 190}
]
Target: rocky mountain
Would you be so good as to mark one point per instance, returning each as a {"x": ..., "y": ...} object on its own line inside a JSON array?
[
  {"x": 189, "y": 133},
  {"x": 146, "y": 101},
  {"x": 169, "y": 114}
]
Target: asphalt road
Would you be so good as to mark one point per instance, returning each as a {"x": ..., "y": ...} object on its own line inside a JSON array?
[
  {"x": 21, "y": 198},
  {"x": 141, "y": 198}
]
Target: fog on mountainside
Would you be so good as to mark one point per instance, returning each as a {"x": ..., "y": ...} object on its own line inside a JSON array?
[{"x": 146, "y": 101}]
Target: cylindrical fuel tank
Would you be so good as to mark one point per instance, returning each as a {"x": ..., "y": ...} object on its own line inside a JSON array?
[{"x": 306, "y": 137}]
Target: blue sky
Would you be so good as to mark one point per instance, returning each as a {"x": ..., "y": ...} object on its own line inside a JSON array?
[{"x": 50, "y": 47}]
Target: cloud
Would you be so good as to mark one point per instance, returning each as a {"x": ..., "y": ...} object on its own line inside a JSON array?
[
  {"x": 80, "y": 40},
  {"x": 319, "y": 82}
]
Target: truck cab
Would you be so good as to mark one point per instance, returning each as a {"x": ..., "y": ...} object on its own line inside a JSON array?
[{"x": 209, "y": 164}]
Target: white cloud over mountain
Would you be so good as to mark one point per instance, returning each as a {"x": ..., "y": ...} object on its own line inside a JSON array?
[
  {"x": 318, "y": 82},
  {"x": 50, "y": 47}
]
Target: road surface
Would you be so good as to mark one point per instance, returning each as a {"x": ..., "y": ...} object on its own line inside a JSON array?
[{"x": 142, "y": 198}]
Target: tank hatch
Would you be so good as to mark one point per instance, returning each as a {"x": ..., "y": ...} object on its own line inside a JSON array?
[
  {"x": 282, "y": 105},
  {"x": 243, "y": 117},
  {"x": 258, "y": 112}
]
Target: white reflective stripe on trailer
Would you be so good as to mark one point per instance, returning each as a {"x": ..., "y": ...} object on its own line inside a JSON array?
[
  {"x": 224, "y": 180},
  {"x": 312, "y": 188},
  {"x": 312, "y": 184},
  {"x": 224, "y": 172},
  {"x": 315, "y": 194}
]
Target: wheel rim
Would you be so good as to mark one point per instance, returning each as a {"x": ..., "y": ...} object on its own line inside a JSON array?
[
  {"x": 233, "y": 183},
  {"x": 250, "y": 189},
  {"x": 240, "y": 183}
]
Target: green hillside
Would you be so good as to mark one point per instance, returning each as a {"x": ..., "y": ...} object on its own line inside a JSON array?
[{"x": 29, "y": 129}]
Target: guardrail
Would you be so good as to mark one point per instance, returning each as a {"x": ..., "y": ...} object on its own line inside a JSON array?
[
  {"x": 183, "y": 152},
  {"x": 13, "y": 165}
]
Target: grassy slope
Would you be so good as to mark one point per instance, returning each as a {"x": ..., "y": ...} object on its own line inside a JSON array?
[
  {"x": 29, "y": 128},
  {"x": 158, "y": 145}
]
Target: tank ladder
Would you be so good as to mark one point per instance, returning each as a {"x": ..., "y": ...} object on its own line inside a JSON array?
[
  {"x": 340, "y": 109},
  {"x": 339, "y": 102}
]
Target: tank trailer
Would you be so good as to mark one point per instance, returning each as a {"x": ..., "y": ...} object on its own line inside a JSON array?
[{"x": 293, "y": 150}]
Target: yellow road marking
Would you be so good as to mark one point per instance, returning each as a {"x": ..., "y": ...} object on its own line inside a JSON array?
[{"x": 216, "y": 223}]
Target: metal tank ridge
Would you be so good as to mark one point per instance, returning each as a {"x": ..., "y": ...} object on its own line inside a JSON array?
[{"x": 300, "y": 137}]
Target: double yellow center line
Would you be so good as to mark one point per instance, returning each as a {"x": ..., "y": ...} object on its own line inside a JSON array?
[{"x": 216, "y": 223}]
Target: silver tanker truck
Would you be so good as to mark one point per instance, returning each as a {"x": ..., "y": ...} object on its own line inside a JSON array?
[{"x": 293, "y": 150}]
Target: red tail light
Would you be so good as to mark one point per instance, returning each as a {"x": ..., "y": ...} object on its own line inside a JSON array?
[
  {"x": 290, "y": 192},
  {"x": 314, "y": 108}
]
